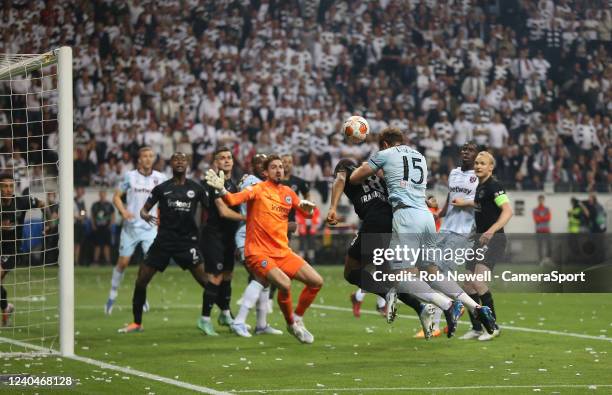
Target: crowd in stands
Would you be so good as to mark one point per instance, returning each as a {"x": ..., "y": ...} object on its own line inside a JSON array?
[{"x": 529, "y": 80}]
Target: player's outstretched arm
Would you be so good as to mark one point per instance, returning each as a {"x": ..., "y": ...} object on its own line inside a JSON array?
[
  {"x": 337, "y": 189},
  {"x": 361, "y": 173},
  {"x": 226, "y": 212}
]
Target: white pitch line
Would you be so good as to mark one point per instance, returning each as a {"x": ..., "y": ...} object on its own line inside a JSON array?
[
  {"x": 411, "y": 317},
  {"x": 472, "y": 387},
  {"x": 121, "y": 369}
]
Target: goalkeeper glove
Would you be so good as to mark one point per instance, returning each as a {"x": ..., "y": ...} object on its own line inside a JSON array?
[
  {"x": 307, "y": 206},
  {"x": 216, "y": 181}
]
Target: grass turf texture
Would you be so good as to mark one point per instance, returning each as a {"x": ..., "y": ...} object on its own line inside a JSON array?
[{"x": 348, "y": 353}]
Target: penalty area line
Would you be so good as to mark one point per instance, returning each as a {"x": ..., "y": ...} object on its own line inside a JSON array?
[
  {"x": 429, "y": 389},
  {"x": 120, "y": 369}
]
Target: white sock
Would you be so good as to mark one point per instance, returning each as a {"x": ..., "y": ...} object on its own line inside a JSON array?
[
  {"x": 115, "y": 282},
  {"x": 226, "y": 313},
  {"x": 422, "y": 290},
  {"x": 262, "y": 308},
  {"x": 249, "y": 297},
  {"x": 437, "y": 315},
  {"x": 297, "y": 318},
  {"x": 205, "y": 318},
  {"x": 359, "y": 295},
  {"x": 467, "y": 302},
  {"x": 380, "y": 301}
]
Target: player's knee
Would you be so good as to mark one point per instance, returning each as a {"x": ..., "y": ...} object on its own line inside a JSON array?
[
  {"x": 284, "y": 285},
  {"x": 215, "y": 278},
  {"x": 316, "y": 281},
  {"x": 227, "y": 276}
]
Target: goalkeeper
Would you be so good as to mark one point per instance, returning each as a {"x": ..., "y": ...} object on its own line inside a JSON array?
[
  {"x": 13, "y": 209},
  {"x": 267, "y": 252}
]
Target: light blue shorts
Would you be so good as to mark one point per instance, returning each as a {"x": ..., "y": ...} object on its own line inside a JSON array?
[
  {"x": 450, "y": 251},
  {"x": 130, "y": 237},
  {"x": 413, "y": 230}
]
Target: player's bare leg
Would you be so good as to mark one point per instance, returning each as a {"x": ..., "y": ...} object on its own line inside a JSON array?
[{"x": 145, "y": 274}]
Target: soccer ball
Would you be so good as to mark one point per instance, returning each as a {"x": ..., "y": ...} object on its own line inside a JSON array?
[{"x": 356, "y": 128}]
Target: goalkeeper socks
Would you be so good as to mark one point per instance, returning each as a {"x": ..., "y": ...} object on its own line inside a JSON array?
[
  {"x": 487, "y": 300},
  {"x": 224, "y": 295},
  {"x": 476, "y": 325},
  {"x": 140, "y": 296},
  {"x": 250, "y": 296},
  {"x": 115, "y": 282},
  {"x": 359, "y": 295},
  {"x": 262, "y": 308},
  {"x": 307, "y": 296},
  {"x": 209, "y": 298},
  {"x": 286, "y": 305},
  {"x": 411, "y": 301},
  {"x": 3, "y": 300}
]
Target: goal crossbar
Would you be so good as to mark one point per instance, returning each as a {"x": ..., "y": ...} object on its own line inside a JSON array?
[{"x": 15, "y": 65}]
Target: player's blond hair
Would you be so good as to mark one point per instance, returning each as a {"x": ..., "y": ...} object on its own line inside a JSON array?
[{"x": 488, "y": 155}]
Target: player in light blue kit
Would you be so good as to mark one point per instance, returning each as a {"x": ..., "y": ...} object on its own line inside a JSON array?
[
  {"x": 137, "y": 184},
  {"x": 255, "y": 293},
  {"x": 405, "y": 172}
]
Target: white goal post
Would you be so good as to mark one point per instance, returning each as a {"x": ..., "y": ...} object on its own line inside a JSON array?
[{"x": 14, "y": 69}]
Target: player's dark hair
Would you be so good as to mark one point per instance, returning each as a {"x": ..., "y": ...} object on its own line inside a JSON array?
[
  {"x": 472, "y": 144},
  {"x": 344, "y": 164},
  {"x": 7, "y": 176},
  {"x": 270, "y": 159},
  {"x": 221, "y": 149},
  {"x": 391, "y": 136},
  {"x": 258, "y": 157}
]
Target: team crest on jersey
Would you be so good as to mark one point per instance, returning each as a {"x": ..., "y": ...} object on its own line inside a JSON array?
[
  {"x": 190, "y": 193},
  {"x": 264, "y": 263},
  {"x": 288, "y": 199},
  {"x": 473, "y": 179}
]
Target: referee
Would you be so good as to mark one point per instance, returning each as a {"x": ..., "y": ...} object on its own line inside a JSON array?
[{"x": 492, "y": 213}]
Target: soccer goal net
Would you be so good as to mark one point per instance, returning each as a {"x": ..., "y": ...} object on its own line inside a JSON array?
[{"x": 36, "y": 203}]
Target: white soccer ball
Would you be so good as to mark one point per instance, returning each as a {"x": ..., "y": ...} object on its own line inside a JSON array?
[{"x": 356, "y": 128}]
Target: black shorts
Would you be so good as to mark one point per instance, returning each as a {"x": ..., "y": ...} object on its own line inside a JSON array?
[
  {"x": 102, "y": 236},
  {"x": 7, "y": 262},
  {"x": 496, "y": 251},
  {"x": 373, "y": 233},
  {"x": 8, "y": 257},
  {"x": 186, "y": 254},
  {"x": 219, "y": 253},
  {"x": 79, "y": 233}
]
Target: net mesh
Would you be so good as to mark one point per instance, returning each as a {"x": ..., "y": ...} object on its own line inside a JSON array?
[{"x": 29, "y": 202}]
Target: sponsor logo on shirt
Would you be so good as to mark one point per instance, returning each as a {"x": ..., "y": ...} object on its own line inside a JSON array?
[
  {"x": 467, "y": 191},
  {"x": 179, "y": 205},
  {"x": 473, "y": 179}
]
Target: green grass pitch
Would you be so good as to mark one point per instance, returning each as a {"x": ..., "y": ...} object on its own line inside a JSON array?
[{"x": 569, "y": 351}]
